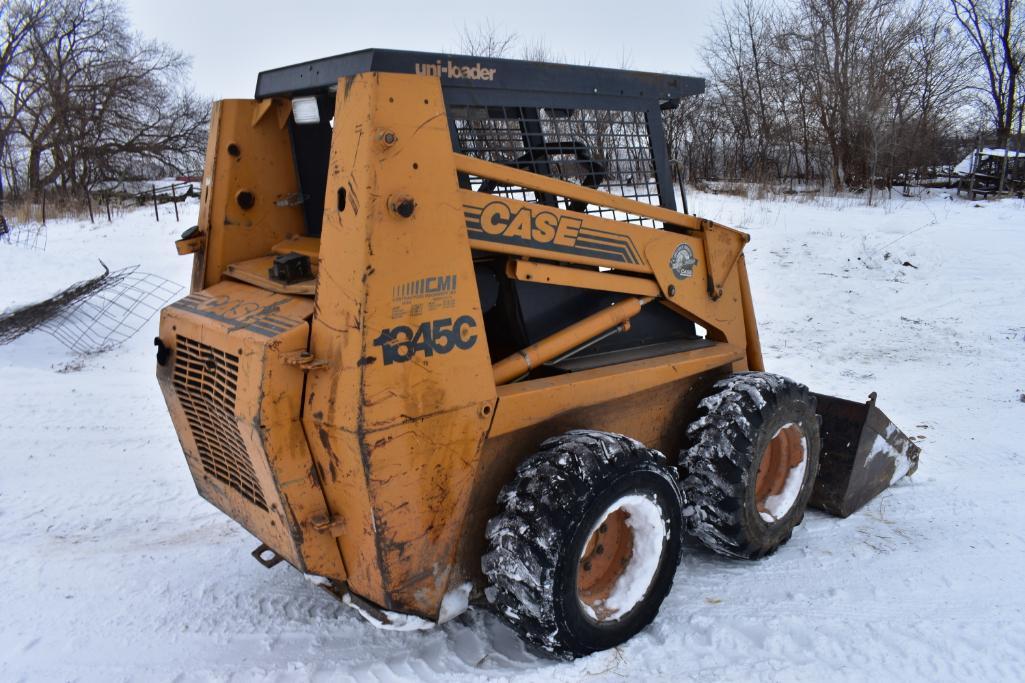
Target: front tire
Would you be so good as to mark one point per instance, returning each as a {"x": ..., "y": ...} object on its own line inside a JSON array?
[
  {"x": 585, "y": 544},
  {"x": 751, "y": 465}
]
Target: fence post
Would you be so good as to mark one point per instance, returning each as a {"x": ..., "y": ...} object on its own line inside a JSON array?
[
  {"x": 1016, "y": 167},
  {"x": 174, "y": 200},
  {"x": 156, "y": 212},
  {"x": 1003, "y": 165},
  {"x": 975, "y": 163}
]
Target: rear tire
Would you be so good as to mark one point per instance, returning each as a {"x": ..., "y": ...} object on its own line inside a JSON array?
[
  {"x": 751, "y": 465},
  {"x": 585, "y": 544}
]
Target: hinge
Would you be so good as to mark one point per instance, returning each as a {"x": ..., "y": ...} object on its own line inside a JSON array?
[
  {"x": 332, "y": 525},
  {"x": 304, "y": 360}
]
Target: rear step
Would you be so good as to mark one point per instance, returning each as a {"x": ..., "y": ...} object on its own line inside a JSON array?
[{"x": 863, "y": 453}]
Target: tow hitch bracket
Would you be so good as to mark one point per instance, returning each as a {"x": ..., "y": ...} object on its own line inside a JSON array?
[{"x": 267, "y": 556}]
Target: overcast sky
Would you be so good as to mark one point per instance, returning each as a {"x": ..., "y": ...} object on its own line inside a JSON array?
[{"x": 230, "y": 42}]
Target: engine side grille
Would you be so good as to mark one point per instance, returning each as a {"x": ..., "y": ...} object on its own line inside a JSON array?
[{"x": 205, "y": 379}]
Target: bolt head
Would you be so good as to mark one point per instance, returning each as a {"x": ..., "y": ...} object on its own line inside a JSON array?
[
  {"x": 245, "y": 199},
  {"x": 403, "y": 206}
]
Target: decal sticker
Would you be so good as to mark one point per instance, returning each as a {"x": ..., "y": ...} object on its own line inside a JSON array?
[
  {"x": 682, "y": 262},
  {"x": 436, "y": 292},
  {"x": 400, "y": 344},
  {"x": 239, "y": 313},
  {"x": 499, "y": 222},
  {"x": 452, "y": 70}
]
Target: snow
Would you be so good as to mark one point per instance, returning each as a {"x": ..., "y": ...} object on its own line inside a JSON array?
[
  {"x": 901, "y": 468},
  {"x": 898, "y": 452},
  {"x": 393, "y": 621},
  {"x": 114, "y": 569},
  {"x": 455, "y": 602},
  {"x": 322, "y": 581},
  {"x": 778, "y": 505},
  {"x": 644, "y": 517}
]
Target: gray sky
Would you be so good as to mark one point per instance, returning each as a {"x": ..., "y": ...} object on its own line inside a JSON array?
[{"x": 230, "y": 42}]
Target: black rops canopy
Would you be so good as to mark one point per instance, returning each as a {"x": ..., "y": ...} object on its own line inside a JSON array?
[
  {"x": 507, "y": 89},
  {"x": 483, "y": 73}
]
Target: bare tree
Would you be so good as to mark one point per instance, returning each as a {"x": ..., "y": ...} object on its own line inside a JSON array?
[
  {"x": 95, "y": 101},
  {"x": 19, "y": 20},
  {"x": 850, "y": 93},
  {"x": 851, "y": 53},
  {"x": 996, "y": 30},
  {"x": 486, "y": 40},
  {"x": 936, "y": 90},
  {"x": 853, "y": 91}
]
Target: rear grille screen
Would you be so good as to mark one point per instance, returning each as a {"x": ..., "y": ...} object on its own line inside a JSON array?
[{"x": 205, "y": 380}]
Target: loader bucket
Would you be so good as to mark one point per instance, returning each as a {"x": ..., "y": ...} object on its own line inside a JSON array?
[{"x": 863, "y": 452}]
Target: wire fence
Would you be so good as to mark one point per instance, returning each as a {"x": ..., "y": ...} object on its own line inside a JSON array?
[
  {"x": 97, "y": 205},
  {"x": 27, "y": 235}
]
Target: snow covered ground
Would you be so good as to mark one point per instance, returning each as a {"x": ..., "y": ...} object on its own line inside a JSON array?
[{"x": 112, "y": 568}]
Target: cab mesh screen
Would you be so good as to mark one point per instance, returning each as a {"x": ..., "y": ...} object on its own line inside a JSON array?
[{"x": 606, "y": 150}]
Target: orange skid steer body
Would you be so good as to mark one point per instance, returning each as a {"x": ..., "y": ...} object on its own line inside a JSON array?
[{"x": 407, "y": 278}]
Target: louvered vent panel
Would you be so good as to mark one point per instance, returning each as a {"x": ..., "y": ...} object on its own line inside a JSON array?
[{"x": 205, "y": 379}]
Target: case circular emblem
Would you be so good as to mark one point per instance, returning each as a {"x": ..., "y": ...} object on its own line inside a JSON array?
[{"x": 682, "y": 262}]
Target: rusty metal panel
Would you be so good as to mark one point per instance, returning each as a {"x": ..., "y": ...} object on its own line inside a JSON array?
[
  {"x": 680, "y": 265},
  {"x": 249, "y": 168},
  {"x": 722, "y": 247},
  {"x": 396, "y": 426},
  {"x": 235, "y": 404}
]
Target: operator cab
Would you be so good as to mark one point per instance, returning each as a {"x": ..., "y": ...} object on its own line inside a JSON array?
[{"x": 596, "y": 127}]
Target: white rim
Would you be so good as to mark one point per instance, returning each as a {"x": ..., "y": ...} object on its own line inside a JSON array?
[
  {"x": 779, "y": 505},
  {"x": 644, "y": 518}
]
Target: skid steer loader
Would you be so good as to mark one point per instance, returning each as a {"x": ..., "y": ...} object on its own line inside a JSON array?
[{"x": 449, "y": 340}]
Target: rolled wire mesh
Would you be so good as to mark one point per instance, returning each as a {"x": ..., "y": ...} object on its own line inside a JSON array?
[{"x": 113, "y": 313}]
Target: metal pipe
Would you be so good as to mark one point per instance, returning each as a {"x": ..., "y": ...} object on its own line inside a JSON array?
[
  {"x": 622, "y": 327},
  {"x": 535, "y": 355}
]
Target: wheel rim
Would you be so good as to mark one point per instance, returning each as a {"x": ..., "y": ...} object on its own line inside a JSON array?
[
  {"x": 620, "y": 558},
  {"x": 781, "y": 473}
]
